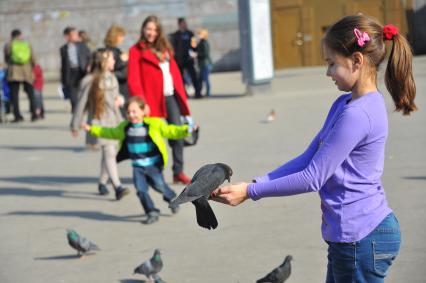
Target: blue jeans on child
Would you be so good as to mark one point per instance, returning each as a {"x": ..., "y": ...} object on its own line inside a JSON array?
[
  {"x": 143, "y": 177},
  {"x": 367, "y": 260}
]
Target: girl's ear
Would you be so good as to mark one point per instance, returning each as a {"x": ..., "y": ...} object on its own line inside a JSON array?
[{"x": 358, "y": 59}]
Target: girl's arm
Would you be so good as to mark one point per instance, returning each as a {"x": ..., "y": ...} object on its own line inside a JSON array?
[
  {"x": 351, "y": 127},
  {"x": 116, "y": 133},
  {"x": 173, "y": 132}
]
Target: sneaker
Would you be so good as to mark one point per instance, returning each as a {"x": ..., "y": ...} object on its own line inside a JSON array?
[
  {"x": 181, "y": 178},
  {"x": 153, "y": 216},
  {"x": 120, "y": 192},
  {"x": 174, "y": 208},
  {"x": 102, "y": 190}
]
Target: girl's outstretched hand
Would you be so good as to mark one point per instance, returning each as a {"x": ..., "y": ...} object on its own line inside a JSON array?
[
  {"x": 87, "y": 127},
  {"x": 232, "y": 194}
]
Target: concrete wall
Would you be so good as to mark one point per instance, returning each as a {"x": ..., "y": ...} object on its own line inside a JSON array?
[{"x": 43, "y": 21}]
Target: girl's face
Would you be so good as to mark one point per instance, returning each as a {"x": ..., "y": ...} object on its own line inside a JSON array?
[
  {"x": 134, "y": 113},
  {"x": 120, "y": 39},
  {"x": 341, "y": 69},
  {"x": 110, "y": 62},
  {"x": 150, "y": 32}
]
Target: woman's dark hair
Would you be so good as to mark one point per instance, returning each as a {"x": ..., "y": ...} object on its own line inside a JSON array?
[
  {"x": 161, "y": 44},
  {"x": 399, "y": 80}
]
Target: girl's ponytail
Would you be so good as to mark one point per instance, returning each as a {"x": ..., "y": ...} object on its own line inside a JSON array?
[{"x": 399, "y": 72}]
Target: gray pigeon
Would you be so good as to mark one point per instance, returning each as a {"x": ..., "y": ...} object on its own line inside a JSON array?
[
  {"x": 205, "y": 181},
  {"x": 151, "y": 267},
  {"x": 279, "y": 274},
  {"x": 81, "y": 244}
]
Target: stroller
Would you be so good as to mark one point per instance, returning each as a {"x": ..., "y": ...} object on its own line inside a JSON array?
[{"x": 4, "y": 96}]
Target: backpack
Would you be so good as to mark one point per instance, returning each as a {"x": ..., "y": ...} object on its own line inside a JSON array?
[{"x": 20, "y": 52}]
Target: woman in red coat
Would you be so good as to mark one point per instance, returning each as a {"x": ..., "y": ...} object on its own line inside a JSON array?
[{"x": 154, "y": 76}]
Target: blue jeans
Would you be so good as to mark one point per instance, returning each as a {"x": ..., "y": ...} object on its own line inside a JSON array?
[
  {"x": 204, "y": 77},
  {"x": 143, "y": 177},
  {"x": 367, "y": 260}
]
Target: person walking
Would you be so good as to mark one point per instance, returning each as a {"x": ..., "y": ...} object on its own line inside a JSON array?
[
  {"x": 154, "y": 76},
  {"x": 344, "y": 162},
  {"x": 113, "y": 39},
  {"x": 185, "y": 53},
  {"x": 75, "y": 63},
  {"x": 20, "y": 61},
  {"x": 204, "y": 60},
  {"x": 99, "y": 97}
]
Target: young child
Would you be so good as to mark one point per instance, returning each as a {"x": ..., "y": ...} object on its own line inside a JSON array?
[
  {"x": 142, "y": 141},
  {"x": 38, "y": 91},
  {"x": 100, "y": 99},
  {"x": 344, "y": 162}
]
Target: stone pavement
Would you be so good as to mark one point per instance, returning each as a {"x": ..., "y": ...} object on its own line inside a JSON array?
[{"x": 48, "y": 183}]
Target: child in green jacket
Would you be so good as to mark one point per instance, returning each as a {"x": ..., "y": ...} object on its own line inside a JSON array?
[{"x": 142, "y": 140}]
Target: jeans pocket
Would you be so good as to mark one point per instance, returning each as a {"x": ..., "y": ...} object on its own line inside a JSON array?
[{"x": 384, "y": 254}]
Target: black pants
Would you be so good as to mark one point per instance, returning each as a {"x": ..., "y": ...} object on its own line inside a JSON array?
[
  {"x": 189, "y": 67},
  {"x": 173, "y": 117},
  {"x": 72, "y": 87},
  {"x": 14, "y": 93}
]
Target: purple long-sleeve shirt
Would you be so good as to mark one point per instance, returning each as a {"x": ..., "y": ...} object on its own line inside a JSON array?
[{"x": 344, "y": 164}]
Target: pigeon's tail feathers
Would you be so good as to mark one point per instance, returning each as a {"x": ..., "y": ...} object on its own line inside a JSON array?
[
  {"x": 94, "y": 247},
  {"x": 205, "y": 215},
  {"x": 263, "y": 280}
]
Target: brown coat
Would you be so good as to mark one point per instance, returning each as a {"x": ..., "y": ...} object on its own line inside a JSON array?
[{"x": 18, "y": 73}]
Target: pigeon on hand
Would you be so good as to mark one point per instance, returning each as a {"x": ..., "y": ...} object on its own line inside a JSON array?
[
  {"x": 151, "y": 267},
  {"x": 205, "y": 181},
  {"x": 81, "y": 244},
  {"x": 271, "y": 116},
  {"x": 279, "y": 274}
]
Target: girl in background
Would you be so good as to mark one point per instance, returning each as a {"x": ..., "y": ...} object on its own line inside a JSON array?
[
  {"x": 100, "y": 99},
  {"x": 204, "y": 60}
]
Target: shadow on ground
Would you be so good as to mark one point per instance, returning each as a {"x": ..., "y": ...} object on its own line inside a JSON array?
[
  {"x": 44, "y": 148},
  {"x": 57, "y": 180},
  {"x": 420, "y": 178},
  {"x": 50, "y": 193},
  {"x": 91, "y": 215},
  {"x": 133, "y": 281}
]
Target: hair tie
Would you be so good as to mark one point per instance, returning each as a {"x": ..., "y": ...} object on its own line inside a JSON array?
[
  {"x": 389, "y": 31},
  {"x": 362, "y": 37}
]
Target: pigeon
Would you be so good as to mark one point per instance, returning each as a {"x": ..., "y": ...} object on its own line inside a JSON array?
[
  {"x": 271, "y": 116},
  {"x": 151, "y": 267},
  {"x": 81, "y": 244},
  {"x": 205, "y": 181},
  {"x": 279, "y": 274}
]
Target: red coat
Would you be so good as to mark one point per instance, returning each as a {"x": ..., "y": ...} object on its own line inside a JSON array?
[
  {"x": 38, "y": 78},
  {"x": 145, "y": 79}
]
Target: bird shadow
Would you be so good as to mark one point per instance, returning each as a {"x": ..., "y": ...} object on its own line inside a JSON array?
[
  {"x": 58, "y": 257},
  {"x": 91, "y": 215},
  {"x": 133, "y": 281}
]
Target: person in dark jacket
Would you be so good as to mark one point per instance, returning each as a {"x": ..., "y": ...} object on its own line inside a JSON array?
[
  {"x": 204, "y": 60},
  {"x": 75, "y": 63},
  {"x": 185, "y": 52}
]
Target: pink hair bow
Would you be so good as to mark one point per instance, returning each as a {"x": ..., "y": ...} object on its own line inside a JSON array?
[{"x": 361, "y": 36}]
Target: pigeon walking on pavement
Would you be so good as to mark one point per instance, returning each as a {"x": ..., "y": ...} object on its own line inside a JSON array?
[
  {"x": 80, "y": 243},
  {"x": 279, "y": 274},
  {"x": 205, "y": 181},
  {"x": 151, "y": 267}
]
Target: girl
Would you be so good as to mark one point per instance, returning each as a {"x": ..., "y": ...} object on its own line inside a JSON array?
[
  {"x": 344, "y": 162},
  {"x": 142, "y": 141},
  {"x": 99, "y": 97},
  {"x": 154, "y": 76}
]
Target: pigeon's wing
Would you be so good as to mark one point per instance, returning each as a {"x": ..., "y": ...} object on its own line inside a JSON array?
[
  {"x": 270, "y": 277},
  {"x": 86, "y": 245},
  {"x": 205, "y": 215}
]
